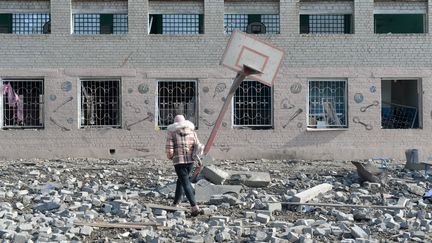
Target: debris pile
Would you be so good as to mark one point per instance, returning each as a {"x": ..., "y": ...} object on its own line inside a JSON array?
[{"x": 263, "y": 200}]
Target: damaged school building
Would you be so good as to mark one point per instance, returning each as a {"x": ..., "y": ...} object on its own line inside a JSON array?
[{"x": 98, "y": 78}]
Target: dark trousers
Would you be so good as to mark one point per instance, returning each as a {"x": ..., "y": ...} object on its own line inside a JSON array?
[{"x": 183, "y": 183}]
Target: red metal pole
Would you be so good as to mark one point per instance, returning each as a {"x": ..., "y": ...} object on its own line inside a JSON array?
[{"x": 237, "y": 81}]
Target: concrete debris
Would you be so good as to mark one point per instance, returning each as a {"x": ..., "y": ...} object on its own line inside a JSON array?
[{"x": 89, "y": 200}]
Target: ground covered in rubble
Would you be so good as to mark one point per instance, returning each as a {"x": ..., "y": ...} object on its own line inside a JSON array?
[{"x": 56, "y": 200}]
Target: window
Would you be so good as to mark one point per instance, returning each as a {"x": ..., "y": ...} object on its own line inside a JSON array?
[
  {"x": 400, "y": 104},
  {"x": 253, "y": 105},
  {"x": 100, "y": 103},
  {"x": 23, "y": 105},
  {"x": 25, "y": 23},
  {"x": 176, "y": 24},
  {"x": 93, "y": 24},
  {"x": 399, "y": 23},
  {"x": 327, "y": 104},
  {"x": 174, "y": 98},
  {"x": 241, "y": 21},
  {"x": 326, "y": 24}
]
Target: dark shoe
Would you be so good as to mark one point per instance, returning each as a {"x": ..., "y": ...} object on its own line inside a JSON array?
[{"x": 197, "y": 212}]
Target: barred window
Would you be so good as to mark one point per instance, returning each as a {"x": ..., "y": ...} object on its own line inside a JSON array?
[
  {"x": 177, "y": 98},
  {"x": 24, "y": 23},
  {"x": 176, "y": 24},
  {"x": 93, "y": 24},
  {"x": 241, "y": 21},
  {"x": 325, "y": 24},
  {"x": 327, "y": 104},
  {"x": 100, "y": 103},
  {"x": 23, "y": 105},
  {"x": 253, "y": 105}
]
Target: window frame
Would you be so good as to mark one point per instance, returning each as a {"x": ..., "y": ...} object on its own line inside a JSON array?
[
  {"x": 196, "y": 95},
  {"x": 41, "y": 104},
  {"x": 308, "y": 123},
  {"x": 404, "y": 12},
  {"x": 10, "y": 16},
  {"x": 255, "y": 127},
  {"x": 103, "y": 18},
  {"x": 348, "y": 23},
  {"x": 79, "y": 102},
  {"x": 251, "y": 18},
  {"x": 159, "y": 28}
]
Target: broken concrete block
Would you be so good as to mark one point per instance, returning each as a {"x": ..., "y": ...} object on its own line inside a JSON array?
[
  {"x": 274, "y": 207},
  {"x": 204, "y": 190},
  {"x": 214, "y": 174},
  {"x": 311, "y": 193},
  {"x": 413, "y": 188},
  {"x": 262, "y": 218},
  {"x": 248, "y": 178},
  {"x": 358, "y": 232}
]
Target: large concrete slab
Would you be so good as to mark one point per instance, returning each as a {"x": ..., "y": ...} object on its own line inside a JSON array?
[
  {"x": 248, "y": 178},
  {"x": 204, "y": 190},
  {"x": 214, "y": 174},
  {"x": 311, "y": 193}
]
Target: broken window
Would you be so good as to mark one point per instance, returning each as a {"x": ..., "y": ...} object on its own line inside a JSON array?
[
  {"x": 177, "y": 98},
  {"x": 23, "y": 103},
  {"x": 327, "y": 104},
  {"x": 326, "y": 24},
  {"x": 25, "y": 23},
  {"x": 253, "y": 105},
  {"x": 241, "y": 22},
  {"x": 100, "y": 103},
  {"x": 399, "y": 23},
  {"x": 176, "y": 24},
  {"x": 93, "y": 24},
  {"x": 401, "y": 103}
]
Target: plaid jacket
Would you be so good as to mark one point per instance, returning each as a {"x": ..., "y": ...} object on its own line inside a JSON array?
[{"x": 180, "y": 142}]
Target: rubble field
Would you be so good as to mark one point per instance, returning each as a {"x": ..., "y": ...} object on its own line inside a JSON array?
[{"x": 96, "y": 200}]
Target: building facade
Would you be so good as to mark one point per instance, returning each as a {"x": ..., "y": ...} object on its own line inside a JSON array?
[{"x": 98, "y": 78}]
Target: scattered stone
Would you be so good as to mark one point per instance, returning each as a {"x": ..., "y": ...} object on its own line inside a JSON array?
[{"x": 311, "y": 193}]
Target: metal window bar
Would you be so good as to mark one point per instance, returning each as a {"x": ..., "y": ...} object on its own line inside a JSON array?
[
  {"x": 180, "y": 24},
  {"x": 396, "y": 116},
  {"x": 29, "y": 23},
  {"x": 326, "y": 24},
  {"x": 272, "y": 23},
  {"x": 177, "y": 97},
  {"x": 86, "y": 24},
  {"x": 327, "y": 104},
  {"x": 23, "y": 104},
  {"x": 235, "y": 21},
  {"x": 253, "y": 105},
  {"x": 120, "y": 24},
  {"x": 100, "y": 103}
]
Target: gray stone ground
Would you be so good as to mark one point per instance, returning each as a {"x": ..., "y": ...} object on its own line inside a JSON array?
[{"x": 41, "y": 199}]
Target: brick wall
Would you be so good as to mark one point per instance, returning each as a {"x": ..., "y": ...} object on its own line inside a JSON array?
[{"x": 363, "y": 59}]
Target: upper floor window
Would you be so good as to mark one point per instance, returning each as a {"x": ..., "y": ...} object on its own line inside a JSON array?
[
  {"x": 325, "y": 24},
  {"x": 176, "y": 98},
  {"x": 176, "y": 24},
  {"x": 327, "y": 104},
  {"x": 253, "y": 105},
  {"x": 23, "y": 103},
  {"x": 25, "y": 23},
  {"x": 399, "y": 23},
  {"x": 93, "y": 24},
  {"x": 100, "y": 103},
  {"x": 241, "y": 21}
]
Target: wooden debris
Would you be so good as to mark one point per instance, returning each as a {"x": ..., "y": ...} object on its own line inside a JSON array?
[
  {"x": 118, "y": 225},
  {"x": 341, "y": 205}
]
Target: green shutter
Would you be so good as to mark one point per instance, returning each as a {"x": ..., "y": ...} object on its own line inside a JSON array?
[
  {"x": 201, "y": 23},
  {"x": 304, "y": 24},
  {"x": 156, "y": 27},
  {"x": 347, "y": 24},
  {"x": 106, "y": 23},
  {"x": 254, "y": 18},
  {"x": 5, "y": 23},
  {"x": 399, "y": 23}
]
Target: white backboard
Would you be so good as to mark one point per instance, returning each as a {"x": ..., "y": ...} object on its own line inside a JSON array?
[{"x": 244, "y": 49}]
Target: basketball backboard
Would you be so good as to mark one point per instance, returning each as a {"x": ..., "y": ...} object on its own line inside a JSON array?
[{"x": 246, "y": 50}]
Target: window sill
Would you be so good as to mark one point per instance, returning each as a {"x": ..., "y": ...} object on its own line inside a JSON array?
[{"x": 325, "y": 129}]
